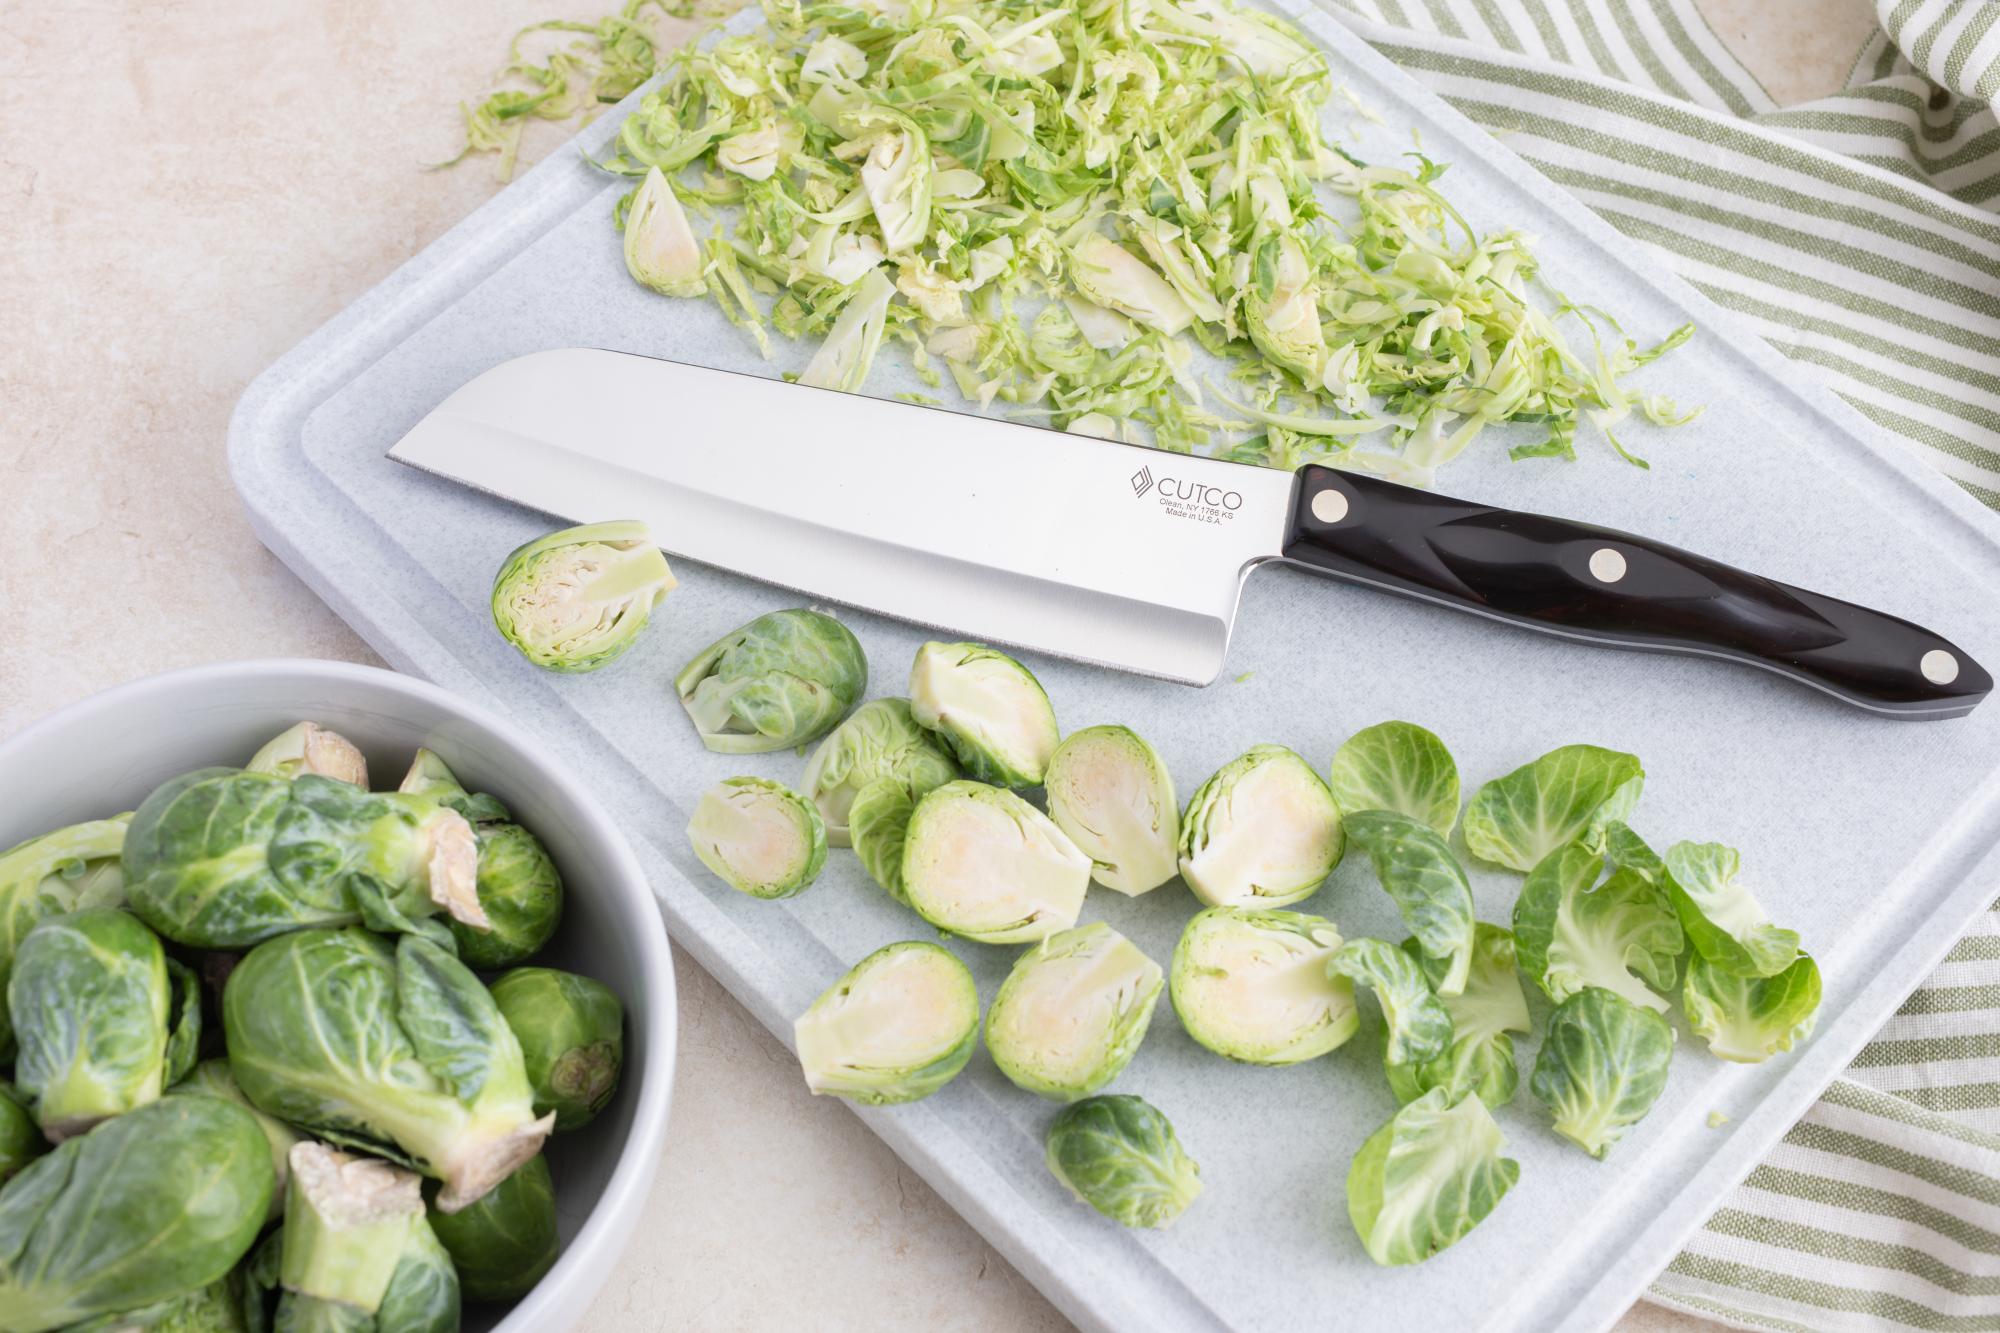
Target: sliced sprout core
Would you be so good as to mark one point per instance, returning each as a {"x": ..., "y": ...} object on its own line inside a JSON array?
[
  {"x": 989, "y": 708},
  {"x": 1071, "y": 1014},
  {"x": 1255, "y": 986},
  {"x": 759, "y": 837},
  {"x": 1262, "y": 832},
  {"x": 898, "y": 1026},
  {"x": 1111, "y": 793},
  {"x": 983, "y": 863},
  {"x": 577, "y": 598}
]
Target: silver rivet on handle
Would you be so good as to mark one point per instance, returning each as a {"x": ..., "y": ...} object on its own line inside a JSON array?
[
  {"x": 1329, "y": 506},
  {"x": 1606, "y": 565},
  {"x": 1939, "y": 667}
]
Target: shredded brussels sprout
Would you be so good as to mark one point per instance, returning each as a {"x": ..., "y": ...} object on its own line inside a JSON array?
[{"x": 1056, "y": 206}]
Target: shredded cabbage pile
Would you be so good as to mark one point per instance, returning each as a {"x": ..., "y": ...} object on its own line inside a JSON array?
[{"x": 1056, "y": 205}]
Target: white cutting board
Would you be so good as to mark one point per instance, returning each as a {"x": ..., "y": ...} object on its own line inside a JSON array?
[{"x": 1867, "y": 835}]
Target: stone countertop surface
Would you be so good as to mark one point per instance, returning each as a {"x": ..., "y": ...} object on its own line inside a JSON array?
[{"x": 228, "y": 175}]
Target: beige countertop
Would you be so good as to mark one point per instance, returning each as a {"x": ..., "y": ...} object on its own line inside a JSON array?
[{"x": 223, "y": 176}]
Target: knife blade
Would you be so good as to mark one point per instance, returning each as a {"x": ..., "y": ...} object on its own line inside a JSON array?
[{"x": 1108, "y": 553}]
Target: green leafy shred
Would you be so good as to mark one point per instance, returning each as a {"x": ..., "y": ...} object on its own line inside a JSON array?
[{"x": 1072, "y": 202}]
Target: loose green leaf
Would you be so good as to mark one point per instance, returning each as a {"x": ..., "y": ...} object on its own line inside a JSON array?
[
  {"x": 1481, "y": 1057},
  {"x": 1722, "y": 918},
  {"x": 1425, "y": 1179},
  {"x": 1749, "y": 1019},
  {"x": 1565, "y": 795},
  {"x": 1397, "y": 766},
  {"x": 1602, "y": 1065},
  {"x": 1420, "y": 873},
  {"x": 1418, "y": 1024},
  {"x": 1573, "y": 933}
]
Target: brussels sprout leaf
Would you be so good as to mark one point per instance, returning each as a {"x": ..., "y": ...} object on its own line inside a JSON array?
[
  {"x": 1427, "y": 1178},
  {"x": 1602, "y": 1065},
  {"x": 1420, "y": 873},
  {"x": 1748, "y": 1019},
  {"x": 1621, "y": 935},
  {"x": 1397, "y": 766},
  {"x": 1566, "y": 795},
  {"x": 1419, "y": 1026}
]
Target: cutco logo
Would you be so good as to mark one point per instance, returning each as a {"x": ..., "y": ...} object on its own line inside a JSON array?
[{"x": 1187, "y": 499}]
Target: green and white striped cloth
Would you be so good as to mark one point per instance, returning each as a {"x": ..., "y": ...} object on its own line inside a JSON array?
[{"x": 1858, "y": 235}]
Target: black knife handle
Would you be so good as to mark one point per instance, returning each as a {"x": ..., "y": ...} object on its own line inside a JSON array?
[{"x": 1598, "y": 584}]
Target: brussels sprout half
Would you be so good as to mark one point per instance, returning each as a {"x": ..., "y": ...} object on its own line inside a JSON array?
[
  {"x": 661, "y": 251},
  {"x": 65, "y": 871},
  {"x": 759, "y": 837},
  {"x": 896, "y": 1027},
  {"x": 1602, "y": 1065},
  {"x": 576, "y": 599},
  {"x": 1255, "y": 986},
  {"x": 572, "y": 1035},
  {"x": 390, "y": 1049},
  {"x": 506, "y": 1242},
  {"x": 1425, "y": 1179},
  {"x": 1281, "y": 308},
  {"x": 782, "y": 680},
  {"x": 103, "y": 1023},
  {"x": 991, "y": 709},
  {"x": 89, "y": 1235},
  {"x": 1120, "y": 1155},
  {"x": 1111, "y": 793},
  {"x": 310, "y": 748},
  {"x": 880, "y": 741},
  {"x": 1072, "y": 1012},
  {"x": 221, "y": 859},
  {"x": 983, "y": 863},
  {"x": 1262, "y": 832}
]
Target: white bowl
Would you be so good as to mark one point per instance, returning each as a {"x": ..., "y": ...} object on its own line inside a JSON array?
[{"x": 103, "y": 755}]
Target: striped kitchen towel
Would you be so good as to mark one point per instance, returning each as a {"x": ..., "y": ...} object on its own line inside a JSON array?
[{"x": 1858, "y": 234}]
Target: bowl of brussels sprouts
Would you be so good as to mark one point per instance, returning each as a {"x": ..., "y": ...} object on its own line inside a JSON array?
[{"x": 310, "y": 975}]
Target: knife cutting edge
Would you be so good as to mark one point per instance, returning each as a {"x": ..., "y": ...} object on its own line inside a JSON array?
[{"x": 1109, "y": 553}]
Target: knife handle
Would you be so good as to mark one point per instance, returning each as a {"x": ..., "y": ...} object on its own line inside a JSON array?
[{"x": 1598, "y": 584}]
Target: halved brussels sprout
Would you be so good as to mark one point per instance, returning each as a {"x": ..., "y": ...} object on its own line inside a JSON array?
[
  {"x": 103, "y": 1024},
  {"x": 1420, "y": 873},
  {"x": 983, "y": 863},
  {"x": 1281, "y": 307},
  {"x": 1071, "y": 1014},
  {"x": 661, "y": 251},
  {"x": 1749, "y": 1019},
  {"x": 1397, "y": 766},
  {"x": 310, "y": 748},
  {"x": 878, "y": 824},
  {"x": 1602, "y": 1065},
  {"x": 1121, "y": 1156},
  {"x": 395, "y": 1050},
  {"x": 1566, "y": 795},
  {"x": 896, "y": 1027},
  {"x": 220, "y": 858},
  {"x": 69, "y": 870},
  {"x": 572, "y": 1035},
  {"x": 21, "y": 1142},
  {"x": 759, "y": 837},
  {"x": 1262, "y": 832},
  {"x": 521, "y": 893},
  {"x": 1424, "y": 1180},
  {"x": 880, "y": 741},
  {"x": 1111, "y": 793},
  {"x": 782, "y": 680},
  {"x": 503, "y": 1244},
  {"x": 1481, "y": 1057},
  {"x": 1621, "y": 935},
  {"x": 990, "y": 709},
  {"x": 1418, "y": 1025},
  {"x": 211, "y": 1078},
  {"x": 576, "y": 599},
  {"x": 1255, "y": 986},
  {"x": 347, "y": 1219},
  {"x": 87, "y": 1234},
  {"x": 1722, "y": 918}
]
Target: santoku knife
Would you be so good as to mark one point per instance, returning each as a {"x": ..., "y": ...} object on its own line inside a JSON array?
[{"x": 1107, "y": 553}]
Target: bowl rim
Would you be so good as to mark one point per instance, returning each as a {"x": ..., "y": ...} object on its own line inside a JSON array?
[{"x": 565, "y": 1292}]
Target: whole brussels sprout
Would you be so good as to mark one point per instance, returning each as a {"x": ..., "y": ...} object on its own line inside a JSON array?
[
  {"x": 65, "y": 871},
  {"x": 577, "y": 598},
  {"x": 572, "y": 1035},
  {"x": 1120, "y": 1155},
  {"x": 310, "y": 748},
  {"x": 504, "y": 1243},
  {"x": 398, "y": 1051},
  {"x": 520, "y": 891},
  {"x": 1255, "y": 986},
  {"x": 991, "y": 709},
  {"x": 211, "y": 1078},
  {"x": 221, "y": 859},
  {"x": 93, "y": 998},
  {"x": 1262, "y": 832},
  {"x": 20, "y": 1141},
  {"x": 1111, "y": 793},
  {"x": 782, "y": 680},
  {"x": 107, "y": 1222},
  {"x": 759, "y": 837},
  {"x": 896, "y": 1027},
  {"x": 983, "y": 863},
  {"x": 879, "y": 741},
  {"x": 1071, "y": 1014}
]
